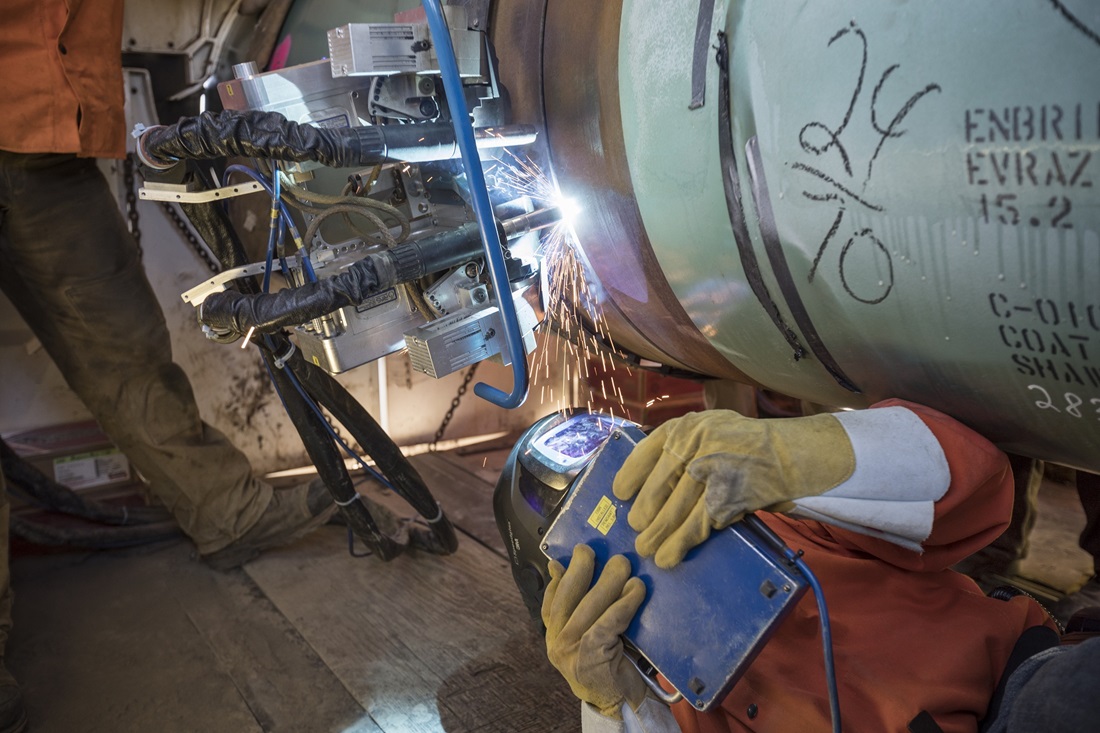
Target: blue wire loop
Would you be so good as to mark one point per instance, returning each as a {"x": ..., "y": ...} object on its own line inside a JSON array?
[
  {"x": 490, "y": 239},
  {"x": 795, "y": 559}
]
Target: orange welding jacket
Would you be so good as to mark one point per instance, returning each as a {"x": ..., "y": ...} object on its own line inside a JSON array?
[
  {"x": 909, "y": 634},
  {"x": 61, "y": 87}
]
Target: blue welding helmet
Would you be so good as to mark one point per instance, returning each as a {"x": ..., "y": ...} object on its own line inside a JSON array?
[{"x": 534, "y": 484}]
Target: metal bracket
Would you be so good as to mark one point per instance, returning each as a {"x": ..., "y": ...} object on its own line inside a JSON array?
[
  {"x": 174, "y": 192},
  {"x": 196, "y": 295}
]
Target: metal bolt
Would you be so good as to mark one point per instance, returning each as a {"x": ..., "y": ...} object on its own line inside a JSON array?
[
  {"x": 479, "y": 296},
  {"x": 490, "y": 333},
  {"x": 471, "y": 270},
  {"x": 422, "y": 207}
]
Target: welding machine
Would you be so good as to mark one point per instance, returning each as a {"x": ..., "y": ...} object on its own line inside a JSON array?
[{"x": 703, "y": 621}]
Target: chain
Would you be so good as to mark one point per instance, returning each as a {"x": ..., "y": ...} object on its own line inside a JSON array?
[
  {"x": 192, "y": 240},
  {"x": 454, "y": 405},
  {"x": 130, "y": 184}
]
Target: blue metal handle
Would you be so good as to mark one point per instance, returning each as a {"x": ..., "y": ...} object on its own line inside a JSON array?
[{"x": 483, "y": 209}]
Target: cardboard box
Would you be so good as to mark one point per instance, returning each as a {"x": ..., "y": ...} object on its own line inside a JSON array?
[{"x": 77, "y": 455}]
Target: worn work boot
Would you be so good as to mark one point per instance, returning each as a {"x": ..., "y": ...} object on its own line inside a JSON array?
[
  {"x": 292, "y": 514},
  {"x": 13, "y": 716},
  {"x": 1087, "y": 596}
]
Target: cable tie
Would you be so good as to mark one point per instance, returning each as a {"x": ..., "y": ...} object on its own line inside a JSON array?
[
  {"x": 280, "y": 361},
  {"x": 438, "y": 516},
  {"x": 349, "y": 502}
]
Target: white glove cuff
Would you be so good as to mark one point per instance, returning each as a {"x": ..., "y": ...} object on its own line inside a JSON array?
[
  {"x": 900, "y": 473},
  {"x": 652, "y": 716}
]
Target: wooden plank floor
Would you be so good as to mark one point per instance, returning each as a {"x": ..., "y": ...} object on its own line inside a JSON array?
[{"x": 306, "y": 638}]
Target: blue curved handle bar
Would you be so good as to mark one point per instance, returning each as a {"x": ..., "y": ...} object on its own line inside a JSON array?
[{"x": 483, "y": 209}]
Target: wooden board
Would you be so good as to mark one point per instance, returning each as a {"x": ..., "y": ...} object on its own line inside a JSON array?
[
  {"x": 155, "y": 641},
  {"x": 424, "y": 643}
]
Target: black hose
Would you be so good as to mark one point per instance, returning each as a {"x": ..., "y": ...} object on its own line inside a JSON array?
[
  {"x": 326, "y": 458},
  {"x": 213, "y": 225},
  {"x": 387, "y": 456},
  {"x": 236, "y": 313},
  {"x": 91, "y": 537},
  {"x": 52, "y": 495},
  {"x": 256, "y": 134}
]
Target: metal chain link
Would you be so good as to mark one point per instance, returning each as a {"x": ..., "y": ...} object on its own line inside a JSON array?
[
  {"x": 454, "y": 405},
  {"x": 129, "y": 182},
  {"x": 192, "y": 240}
]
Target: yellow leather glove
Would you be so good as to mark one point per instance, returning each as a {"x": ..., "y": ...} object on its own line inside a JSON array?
[
  {"x": 706, "y": 470},
  {"x": 583, "y": 627}
]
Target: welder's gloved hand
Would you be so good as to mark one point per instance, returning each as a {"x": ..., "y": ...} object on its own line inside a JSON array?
[
  {"x": 583, "y": 627},
  {"x": 706, "y": 470}
]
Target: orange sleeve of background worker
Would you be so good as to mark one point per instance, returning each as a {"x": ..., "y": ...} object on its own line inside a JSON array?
[{"x": 909, "y": 634}]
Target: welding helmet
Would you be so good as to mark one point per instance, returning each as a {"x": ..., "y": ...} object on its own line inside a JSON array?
[{"x": 533, "y": 486}]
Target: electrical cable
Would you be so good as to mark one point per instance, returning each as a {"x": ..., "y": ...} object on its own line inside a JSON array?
[
  {"x": 271, "y": 242},
  {"x": 267, "y": 185},
  {"x": 326, "y": 458},
  {"x": 332, "y": 432},
  {"x": 346, "y": 197},
  {"x": 93, "y": 538},
  {"x": 795, "y": 559},
  {"x": 314, "y": 226},
  {"x": 389, "y": 459},
  {"x": 311, "y": 428},
  {"x": 826, "y": 635},
  {"x": 273, "y": 236},
  {"x": 56, "y": 497}
]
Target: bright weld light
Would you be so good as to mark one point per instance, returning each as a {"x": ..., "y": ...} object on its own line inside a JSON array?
[{"x": 570, "y": 209}]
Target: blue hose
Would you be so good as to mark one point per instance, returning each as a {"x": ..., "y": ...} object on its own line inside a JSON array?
[
  {"x": 483, "y": 209},
  {"x": 826, "y": 636},
  {"x": 276, "y": 228}
]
